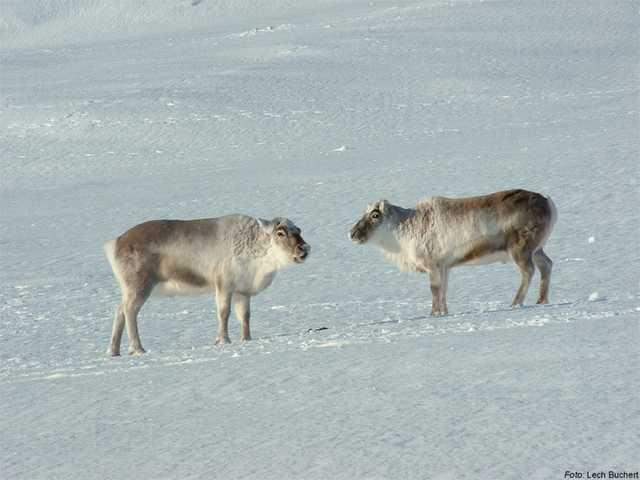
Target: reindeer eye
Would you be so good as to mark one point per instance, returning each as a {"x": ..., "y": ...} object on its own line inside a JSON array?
[
  {"x": 281, "y": 233},
  {"x": 375, "y": 214}
]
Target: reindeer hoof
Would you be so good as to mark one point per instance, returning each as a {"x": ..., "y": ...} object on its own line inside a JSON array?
[
  {"x": 137, "y": 351},
  {"x": 223, "y": 340}
]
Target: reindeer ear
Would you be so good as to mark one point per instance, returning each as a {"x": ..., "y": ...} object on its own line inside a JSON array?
[
  {"x": 383, "y": 205},
  {"x": 266, "y": 225},
  {"x": 279, "y": 222}
]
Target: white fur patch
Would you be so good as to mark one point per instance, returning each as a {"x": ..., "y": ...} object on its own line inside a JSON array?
[{"x": 175, "y": 288}]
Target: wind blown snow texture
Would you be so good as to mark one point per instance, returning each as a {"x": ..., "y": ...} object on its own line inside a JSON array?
[{"x": 113, "y": 114}]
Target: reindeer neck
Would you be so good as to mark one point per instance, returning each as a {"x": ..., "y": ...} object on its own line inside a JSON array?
[{"x": 396, "y": 235}]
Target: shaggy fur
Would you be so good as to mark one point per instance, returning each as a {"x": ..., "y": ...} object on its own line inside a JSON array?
[
  {"x": 232, "y": 255},
  {"x": 442, "y": 233}
]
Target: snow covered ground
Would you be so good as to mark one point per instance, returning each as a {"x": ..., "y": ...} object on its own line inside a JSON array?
[{"x": 111, "y": 114}]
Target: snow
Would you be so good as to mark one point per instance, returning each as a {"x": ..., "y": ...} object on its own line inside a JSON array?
[{"x": 113, "y": 113}]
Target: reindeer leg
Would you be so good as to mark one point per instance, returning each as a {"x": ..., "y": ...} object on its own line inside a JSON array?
[
  {"x": 243, "y": 313},
  {"x": 223, "y": 303},
  {"x": 545, "y": 266},
  {"x": 116, "y": 332},
  {"x": 131, "y": 306},
  {"x": 524, "y": 261},
  {"x": 444, "y": 276},
  {"x": 138, "y": 282},
  {"x": 438, "y": 299}
]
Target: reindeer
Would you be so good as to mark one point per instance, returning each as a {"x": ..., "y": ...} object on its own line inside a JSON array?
[
  {"x": 442, "y": 233},
  {"x": 235, "y": 256}
]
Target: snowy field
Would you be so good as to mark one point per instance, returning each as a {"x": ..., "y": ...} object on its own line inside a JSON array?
[{"x": 116, "y": 112}]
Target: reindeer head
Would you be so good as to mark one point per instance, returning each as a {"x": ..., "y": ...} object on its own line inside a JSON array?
[
  {"x": 285, "y": 237},
  {"x": 374, "y": 220}
]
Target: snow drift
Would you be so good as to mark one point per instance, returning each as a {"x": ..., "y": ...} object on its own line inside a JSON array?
[{"x": 129, "y": 111}]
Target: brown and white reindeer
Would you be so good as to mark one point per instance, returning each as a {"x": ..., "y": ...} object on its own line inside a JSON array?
[
  {"x": 442, "y": 233},
  {"x": 234, "y": 257}
]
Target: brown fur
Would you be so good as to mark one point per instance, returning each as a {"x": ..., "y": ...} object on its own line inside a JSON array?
[
  {"x": 442, "y": 233},
  {"x": 479, "y": 251},
  {"x": 525, "y": 231},
  {"x": 227, "y": 255}
]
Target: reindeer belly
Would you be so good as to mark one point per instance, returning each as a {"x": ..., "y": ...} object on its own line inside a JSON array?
[
  {"x": 176, "y": 288},
  {"x": 495, "y": 257},
  {"x": 181, "y": 280},
  {"x": 481, "y": 253}
]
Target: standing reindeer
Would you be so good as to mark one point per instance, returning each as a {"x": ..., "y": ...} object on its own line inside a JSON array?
[
  {"x": 231, "y": 255},
  {"x": 442, "y": 233}
]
